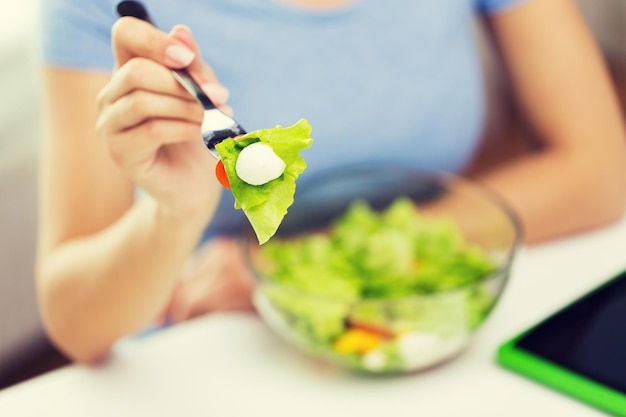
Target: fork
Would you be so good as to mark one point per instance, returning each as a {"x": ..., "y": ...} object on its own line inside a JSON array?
[{"x": 216, "y": 125}]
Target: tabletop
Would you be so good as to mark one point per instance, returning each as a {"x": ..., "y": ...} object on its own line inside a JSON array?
[{"x": 232, "y": 365}]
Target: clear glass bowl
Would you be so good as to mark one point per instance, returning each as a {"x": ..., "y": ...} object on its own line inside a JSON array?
[{"x": 391, "y": 323}]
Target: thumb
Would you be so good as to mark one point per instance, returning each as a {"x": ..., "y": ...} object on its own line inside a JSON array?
[
  {"x": 201, "y": 71},
  {"x": 132, "y": 38}
]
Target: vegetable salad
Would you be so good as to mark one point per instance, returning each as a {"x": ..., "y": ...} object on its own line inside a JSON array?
[
  {"x": 266, "y": 204},
  {"x": 378, "y": 291}
]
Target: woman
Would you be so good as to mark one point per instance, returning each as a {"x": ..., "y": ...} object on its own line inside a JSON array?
[{"x": 398, "y": 81}]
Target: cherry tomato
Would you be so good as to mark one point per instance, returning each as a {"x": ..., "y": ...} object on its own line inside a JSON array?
[
  {"x": 220, "y": 173},
  {"x": 371, "y": 328}
]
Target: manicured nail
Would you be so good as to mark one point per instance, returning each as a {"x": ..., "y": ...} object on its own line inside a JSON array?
[
  {"x": 180, "y": 54},
  {"x": 183, "y": 33},
  {"x": 216, "y": 92}
]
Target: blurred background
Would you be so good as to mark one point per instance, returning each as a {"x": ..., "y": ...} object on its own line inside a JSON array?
[
  {"x": 24, "y": 350},
  {"x": 21, "y": 339}
]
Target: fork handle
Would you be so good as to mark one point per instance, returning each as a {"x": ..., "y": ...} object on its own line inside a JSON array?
[
  {"x": 192, "y": 86},
  {"x": 137, "y": 10},
  {"x": 134, "y": 9}
]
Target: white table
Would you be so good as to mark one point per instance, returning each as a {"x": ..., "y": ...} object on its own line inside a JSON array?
[{"x": 230, "y": 365}]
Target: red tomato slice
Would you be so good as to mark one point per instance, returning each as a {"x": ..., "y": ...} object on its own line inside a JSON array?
[
  {"x": 220, "y": 173},
  {"x": 371, "y": 328}
]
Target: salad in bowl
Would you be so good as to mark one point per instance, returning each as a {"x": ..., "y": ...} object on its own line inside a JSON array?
[{"x": 385, "y": 270}]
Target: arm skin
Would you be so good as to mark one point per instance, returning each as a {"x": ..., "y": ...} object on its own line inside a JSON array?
[
  {"x": 107, "y": 266},
  {"x": 577, "y": 179}
]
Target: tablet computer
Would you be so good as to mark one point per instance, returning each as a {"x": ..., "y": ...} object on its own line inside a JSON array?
[{"x": 580, "y": 350}]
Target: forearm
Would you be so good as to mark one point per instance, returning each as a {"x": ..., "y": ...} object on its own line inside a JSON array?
[
  {"x": 96, "y": 289},
  {"x": 556, "y": 192},
  {"x": 577, "y": 180}
]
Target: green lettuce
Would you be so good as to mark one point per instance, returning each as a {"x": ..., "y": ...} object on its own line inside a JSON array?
[
  {"x": 266, "y": 205},
  {"x": 322, "y": 282},
  {"x": 372, "y": 255}
]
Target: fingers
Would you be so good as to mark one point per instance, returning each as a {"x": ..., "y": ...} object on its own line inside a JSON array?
[
  {"x": 144, "y": 55},
  {"x": 135, "y": 38},
  {"x": 202, "y": 295},
  {"x": 145, "y": 74},
  {"x": 141, "y": 74},
  {"x": 218, "y": 280},
  {"x": 201, "y": 71},
  {"x": 143, "y": 107},
  {"x": 216, "y": 92},
  {"x": 140, "y": 106},
  {"x": 137, "y": 147},
  {"x": 132, "y": 37}
]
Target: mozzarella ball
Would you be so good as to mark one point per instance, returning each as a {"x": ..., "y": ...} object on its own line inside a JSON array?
[
  {"x": 374, "y": 360},
  {"x": 257, "y": 164},
  {"x": 420, "y": 348}
]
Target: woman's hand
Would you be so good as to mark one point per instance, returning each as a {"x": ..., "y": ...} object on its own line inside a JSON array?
[
  {"x": 151, "y": 125},
  {"x": 216, "y": 280}
]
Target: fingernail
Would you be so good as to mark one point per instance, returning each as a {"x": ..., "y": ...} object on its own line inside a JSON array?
[
  {"x": 183, "y": 33},
  {"x": 180, "y": 54},
  {"x": 216, "y": 92}
]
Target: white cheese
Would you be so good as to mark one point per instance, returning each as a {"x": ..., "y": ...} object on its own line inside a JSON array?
[
  {"x": 374, "y": 360},
  {"x": 257, "y": 164},
  {"x": 419, "y": 349}
]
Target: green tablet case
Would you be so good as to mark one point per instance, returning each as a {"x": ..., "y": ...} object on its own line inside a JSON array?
[{"x": 552, "y": 375}]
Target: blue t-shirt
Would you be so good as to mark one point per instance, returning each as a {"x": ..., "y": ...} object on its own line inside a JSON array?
[{"x": 397, "y": 81}]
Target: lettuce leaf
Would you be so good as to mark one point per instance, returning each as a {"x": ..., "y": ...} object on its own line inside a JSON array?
[
  {"x": 371, "y": 255},
  {"x": 266, "y": 205}
]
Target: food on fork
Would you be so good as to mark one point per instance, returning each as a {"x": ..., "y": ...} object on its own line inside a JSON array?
[
  {"x": 261, "y": 168},
  {"x": 258, "y": 164}
]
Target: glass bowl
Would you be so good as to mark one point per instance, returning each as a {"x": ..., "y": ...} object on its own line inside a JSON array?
[{"x": 384, "y": 269}]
